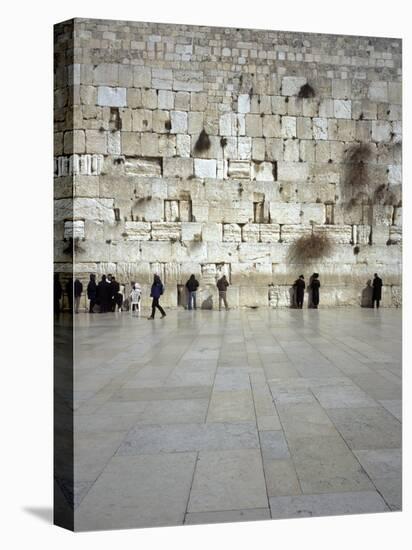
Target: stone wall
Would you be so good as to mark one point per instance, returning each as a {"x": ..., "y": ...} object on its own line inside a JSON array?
[{"x": 182, "y": 149}]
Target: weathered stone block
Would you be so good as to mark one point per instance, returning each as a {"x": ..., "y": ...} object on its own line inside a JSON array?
[
  {"x": 381, "y": 130},
  {"x": 96, "y": 142},
  {"x": 274, "y": 149},
  {"x": 159, "y": 121},
  {"x": 189, "y": 81},
  {"x": 243, "y": 103},
  {"x": 179, "y": 122},
  {"x": 342, "y": 108},
  {"x": 166, "y": 231},
  {"x": 239, "y": 169},
  {"x": 182, "y": 101},
  {"x": 313, "y": 213},
  {"x": 378, "y": 91},
  {"x": 149, "y": 99},
  {"x": 258, "y": 149},
  {"x": 269, "y": 232},
  {"x": 142, "y": 76},
  {"x": 178, "y": 167},
  {"x": 231, "y": 232},
  {"x": 271, "y": 126},
  {"x": 162, "y": 79},
  {"x": 320, "y": 128},
  {"x": 262, "y": 171},
  {"x": 284, "y": 213},
  {"x": 111, "y": 97},
  {"x": 292, "y": 232},
  {"x": 291, "y": 150},
  {"x": 138, "y": 231},
  {"x": 250, "y": 233},
  {"x": 293, "y": 171},
  {"x": 339, "y": 234},
  {"x": 245, "y": 148},
  {"x": 341, "y": 88},
  {"x": 74, "y": 229},
  {"x": 254, "y": 126},
  {"x": 165, "y": 99},
  {"x": 198, "y": 101},
  {"x": 149, "y": 144},
  {"x": 292, "y": 84},
  {"x": 288, "y": 127},
  {"x": 142, "y": 120},
  {"x": 191, "y": 231},
  {"x": 183, "y": 145},
  {"x": 205, "y": 168},
  {"x": 212, "y": 232}
]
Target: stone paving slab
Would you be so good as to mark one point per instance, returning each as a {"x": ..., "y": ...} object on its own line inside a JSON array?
[
  {"x": 174, "y": 411},
  {"x": 231, "y": 406},
  {"x": 227, "y": 516},
  {"x": 172, "y": 438},
  {"x": 333, "y": 504},
  {"x": 163, "y": 392},
  {"x": 367, "y": 428},
  {"x": 228, "y": 480},
  {"x": 138, "y": 491}
]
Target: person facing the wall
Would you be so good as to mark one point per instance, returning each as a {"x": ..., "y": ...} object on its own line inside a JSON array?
[
  {"x": 315, "y": 286},
  {"x": 377, "y": 290},
  {"x": 299, "y": 285},
  {"x": 192, "y": 285},
  {"x": 58, "y": 292},
  {"x": 92, "y": 292},
  {"x": 103, "y": 295},
  {"x": 155, "y": 292},
  {"x": 78, "y": 289},
  {"x": 115, "y": 287},
  {"x": 135, "y": 296},
  {"x": 222, "y": 285},
  {"x": 69, "y": 292}
]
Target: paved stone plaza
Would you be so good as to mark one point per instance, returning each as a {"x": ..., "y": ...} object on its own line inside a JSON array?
[{"x": 251, "y": 414}]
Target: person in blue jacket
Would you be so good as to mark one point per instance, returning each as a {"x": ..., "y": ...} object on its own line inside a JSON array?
[{"x": 155, "y": 292}]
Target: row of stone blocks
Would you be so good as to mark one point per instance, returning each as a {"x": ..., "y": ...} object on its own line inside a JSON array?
[{"x": 73, "y": 165}]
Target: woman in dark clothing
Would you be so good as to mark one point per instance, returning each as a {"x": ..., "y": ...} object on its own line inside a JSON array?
[
  {"x": 377, "y": 290},
  {"x": 315, "y": 286},
  {"x": 192, "y": 286},
  {"x": 155, "y": 292},
  {"x": 92, "y": 292},
  {"x": 300, "y": 291}
]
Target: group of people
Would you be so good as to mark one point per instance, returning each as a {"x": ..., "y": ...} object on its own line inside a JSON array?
[
  {"x": 314, "y": 285},
  {"x": 109, "y": 294}
]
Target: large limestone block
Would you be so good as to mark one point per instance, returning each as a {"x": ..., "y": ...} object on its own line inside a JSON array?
[
  {"x": 272, "y": 126},
  {"x": 378, "y": 91},
  {"x": 395, "y": 92},
  {"x": 292, "y": 84},
  {"x": 74, "y": 229},
  {"x": 111, "y": 97},
  {"x": 244, "y": 148},
  {"x": 292, "y": 232},
  {"x": 162, "y": 79},
  {"x": 179, "y": 122},
  {"x": 96, "y": 142},
  {"x": 131, "y": 143},
  {"x": 340, "y": 234},
  {"x": 200, "y": 210},
  {"x": 291, "y": 150},
  {"x": 191, "y": 231},
  {"x": 269, "y": 232},
  {"x": 320, "y": 128},
  {"x": 293, "y": 171},
  {"x": 239, "y": 169},
  {"x": 313, "y": 213},
  {"x": 380, "y": 234},
  {"x": 212, "y": 232},
  {"x": 148, "y": 209},
  {"x": 178, "y": 167},
  {"x": 395, "y": 234},
  {"x": 262, "y": 171},
  {"x": 158, "y": 121},
  {"x": 243, "y": 103},
  {"x": 342, "y": 108},
  {"x": 222, "y": 252},
  {"x": 142, "y": 76},
  {"x": 166, "y": 99},
  {"x": 138, "y": 231},
  {"x": 341, "y": 88},
  {"x": 288, "y": 127},
  {"x": 252, "y": 274},
  {"x": 231, "y": 232},
  {"x": 235, "y": 211},
  {"x": 362, "y": 234},
  {"x": 256, "y": 296},
  {"x": 84, "y": 208},
  {"x": 254, "y": 252},
  {"x": 145, "y": 167},
  {"x": 205, "y": 168},
  {"x": 188, "y": 81},
  {"x": 228, "y": 124},
  {"x": 381, "y": 130},
  {"x": 250, "y": 233},
  {"x": 189, "y": 251},
  {"x": 383, "y": 214},
  {"x": 254, "y": 126},
  {"x": 155, "y": 251},
  {"x": 284, "y": 213}
]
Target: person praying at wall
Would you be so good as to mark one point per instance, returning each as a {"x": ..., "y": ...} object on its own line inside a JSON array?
[
  {"x": 115, "y": 287},
  {"x": 377, "y": 290},
  {"x": 103, "y": 295},
  {"x": 222, "y": 285},
  {"x": 192, "y": 286},
  {"x": 155, "y": 292},
  {"x": 78, "y": 289},
  {"x": 92, "y": 292},
  {"x": 315, "y": 286},
  {"x": 299, "y": 286}
]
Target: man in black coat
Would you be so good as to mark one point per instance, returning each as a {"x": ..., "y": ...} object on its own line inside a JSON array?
[
  {"x": 103, "y": 295},
  {"x": 315, "y": 286},
  {"x": 58, "y": 293},
  {"x": 377, "y": 290},
  {"x": 192, "y": 286},
  {"x": 115, "y": 287},
  {"x": 300, "y": 291},
  {"x": 78, "y": 289},
  {"x": 92, "y": 292}
]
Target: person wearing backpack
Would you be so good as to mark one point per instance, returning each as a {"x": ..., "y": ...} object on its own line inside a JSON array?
[
  {"x": 192, "y": 285},
  {"x": 155, "y": 293}
]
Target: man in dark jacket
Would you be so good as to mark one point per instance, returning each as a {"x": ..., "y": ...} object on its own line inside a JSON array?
[
  {"x": 315, "y": 286},
  {"x": 103, "y": 295},
  {"x": 192, "y": 286},
  {"x": 299, "y": 286},
  {"x": 377, "y": 290},
  {"x": 92, "y": 292},
  {"x": 115, "y": 287},
  {"x": 78, "y": 289},
  {"x": 222, "y": 285},
  {"x": 155, "y": 292}
]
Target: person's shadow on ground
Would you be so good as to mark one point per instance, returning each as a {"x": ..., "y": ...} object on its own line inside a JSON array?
[{"x": 366, "y": 297}]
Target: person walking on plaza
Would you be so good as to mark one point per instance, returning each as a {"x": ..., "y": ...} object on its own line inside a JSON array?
[
  {"x": 135, "y": 296},
  {"x": 222, "y": 285},
  {"x": 155, "y": 292},
  {"x": 78, "y": 289},
  {"x": 192, "y": 285},
  {"x": 299, "y": 285},
  {"x": 377, "y": 290},
  {"x": 92, "y": 292},
  {"x": 103, "y": 295},
  {"x": 315, "y": 286},
  {"x": 69, "y": 292}
]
